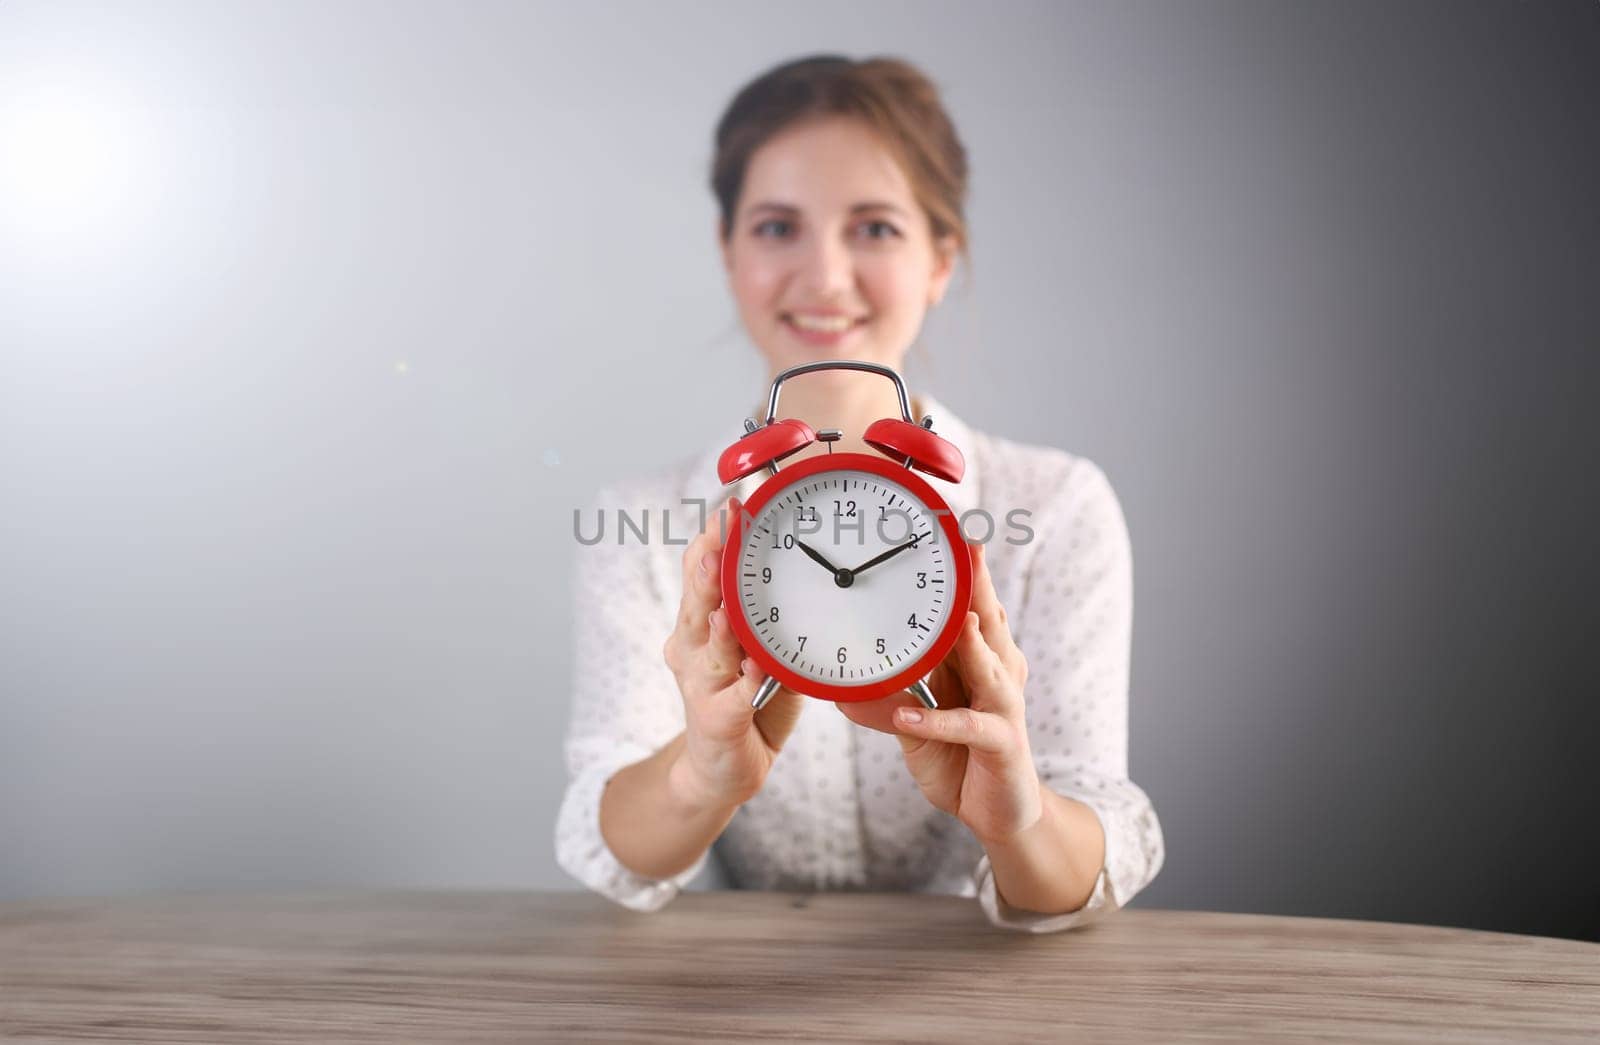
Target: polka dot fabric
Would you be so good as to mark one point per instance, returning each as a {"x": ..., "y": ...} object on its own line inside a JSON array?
[{"x": 839, "y": 809}]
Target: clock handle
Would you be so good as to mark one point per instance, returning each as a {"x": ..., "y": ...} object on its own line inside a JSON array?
[
  {"x": 765, "y": 692},
  {"x": 924, "y": 694},
  {"x": 839, "y": 364}
]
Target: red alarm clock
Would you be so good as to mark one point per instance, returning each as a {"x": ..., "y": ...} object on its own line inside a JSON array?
[{"x": 845, "y": 576}]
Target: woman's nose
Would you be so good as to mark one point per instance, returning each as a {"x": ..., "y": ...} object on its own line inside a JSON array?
[{"x": 828, "y": 267}]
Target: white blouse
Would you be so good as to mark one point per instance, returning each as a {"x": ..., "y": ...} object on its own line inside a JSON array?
[{"x": 839, "y": 809}]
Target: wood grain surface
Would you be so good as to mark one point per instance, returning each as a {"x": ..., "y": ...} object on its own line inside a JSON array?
[{"x": 394, "y": 967}]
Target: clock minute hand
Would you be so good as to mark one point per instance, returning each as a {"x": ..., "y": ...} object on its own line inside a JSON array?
[
  {"x": 817, "y": 556},
  {"x": 886, "y": 555}
]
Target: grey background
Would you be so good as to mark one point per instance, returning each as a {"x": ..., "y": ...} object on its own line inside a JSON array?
[{"x": 1316, "y": 285}]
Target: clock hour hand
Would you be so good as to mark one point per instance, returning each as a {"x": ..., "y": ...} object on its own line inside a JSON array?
[
  {"x": 891, "y": 553},
  {"x": 817, "y": 556}
]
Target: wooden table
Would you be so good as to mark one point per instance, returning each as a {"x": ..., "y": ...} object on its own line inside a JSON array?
[{"x": 392, "y": 967}]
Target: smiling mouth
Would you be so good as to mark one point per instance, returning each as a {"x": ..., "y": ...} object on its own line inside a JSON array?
[{"x": 831, "y": 325}]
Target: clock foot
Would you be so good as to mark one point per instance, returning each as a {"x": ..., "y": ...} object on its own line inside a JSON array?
[
  {"x": 923, "y": 693},
  {"x": 764, "y": 694}
]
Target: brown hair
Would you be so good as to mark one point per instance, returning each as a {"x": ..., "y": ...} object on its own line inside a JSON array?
[{"x": 894, "y": 99}]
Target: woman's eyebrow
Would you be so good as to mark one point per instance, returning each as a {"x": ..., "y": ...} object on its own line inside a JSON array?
[{"x": 789, "y": 208}]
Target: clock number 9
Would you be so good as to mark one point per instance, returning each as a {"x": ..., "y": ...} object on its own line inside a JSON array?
[{"x": 766, "y": 575}]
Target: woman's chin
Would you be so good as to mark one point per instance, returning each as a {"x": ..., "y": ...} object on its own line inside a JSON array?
[{"x": 864, "y": 351}]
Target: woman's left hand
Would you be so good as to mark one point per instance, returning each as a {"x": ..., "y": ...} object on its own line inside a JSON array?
[{"x": 970, "y": 757}]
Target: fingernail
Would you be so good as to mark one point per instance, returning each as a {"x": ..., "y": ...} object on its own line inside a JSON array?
[
  {"x": 911, "y": 715},
  {"x": 706, "y": 564}
]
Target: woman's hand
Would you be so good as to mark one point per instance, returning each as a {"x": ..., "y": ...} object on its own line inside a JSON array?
[
  {"x": 971, "y": 757},
  {"x": 728, "y": 747}
]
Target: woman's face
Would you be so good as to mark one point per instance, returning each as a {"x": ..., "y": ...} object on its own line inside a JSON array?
[{"x": 830, "y": 255}]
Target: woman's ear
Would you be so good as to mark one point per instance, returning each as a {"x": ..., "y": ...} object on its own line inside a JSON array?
[
  {"x": 720, "y": 231},
  {"x": 944, "y": 266}
]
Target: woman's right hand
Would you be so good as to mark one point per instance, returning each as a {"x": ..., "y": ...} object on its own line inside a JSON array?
[{"x": 728, "y": 747}]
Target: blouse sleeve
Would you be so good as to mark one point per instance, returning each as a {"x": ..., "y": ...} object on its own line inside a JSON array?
[
  {"x": 625, "y": 703},
  {"x": 1076, "y": 621}
]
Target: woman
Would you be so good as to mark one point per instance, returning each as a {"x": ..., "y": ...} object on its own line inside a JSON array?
[{"x": 840, "y": 186}]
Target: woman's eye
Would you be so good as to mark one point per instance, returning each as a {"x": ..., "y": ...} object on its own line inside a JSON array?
[
  {"x": 769, "y": 223},
  {"x": 888, "y": 230}
]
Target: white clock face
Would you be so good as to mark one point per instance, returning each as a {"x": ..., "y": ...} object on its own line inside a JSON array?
[{"x": 846, "y": 577}]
